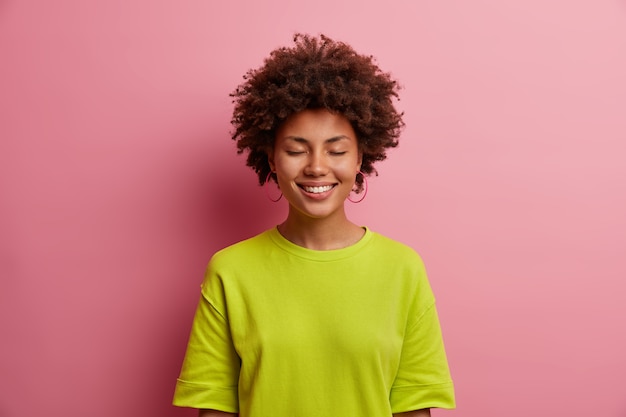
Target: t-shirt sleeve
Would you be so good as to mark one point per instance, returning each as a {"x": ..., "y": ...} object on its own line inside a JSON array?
[
  {"x": 423, "y": 378},
  {"x": 210, "y": 370}
]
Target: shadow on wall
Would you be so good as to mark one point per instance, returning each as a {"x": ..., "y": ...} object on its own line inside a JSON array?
[
  {"x": 223, "y": 204},
  {"x": 237, "y": 207}
]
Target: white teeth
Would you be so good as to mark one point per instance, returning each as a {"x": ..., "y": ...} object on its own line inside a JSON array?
[{"x": 317, "y": 190}]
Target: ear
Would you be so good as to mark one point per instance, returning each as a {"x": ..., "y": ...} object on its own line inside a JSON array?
[
  {"x": 359, "y": 161},
  {"x": 270, "y": 159}
]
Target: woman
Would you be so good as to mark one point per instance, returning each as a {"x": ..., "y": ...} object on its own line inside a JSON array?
[{"x": 317, "y": 316}]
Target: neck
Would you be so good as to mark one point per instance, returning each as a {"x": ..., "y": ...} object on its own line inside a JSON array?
[{"x": 320, "y": 234}]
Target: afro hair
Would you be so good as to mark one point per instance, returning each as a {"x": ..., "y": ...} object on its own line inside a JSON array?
[{"x": 317, "y": 72}]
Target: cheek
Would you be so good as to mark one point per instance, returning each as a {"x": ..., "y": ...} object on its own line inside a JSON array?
[
  {"x": 351, "y": 167},
  {"x": 285, "y": 166}
]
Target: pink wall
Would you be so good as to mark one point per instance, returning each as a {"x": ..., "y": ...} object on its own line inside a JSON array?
[{"x": 118, "y": 181}]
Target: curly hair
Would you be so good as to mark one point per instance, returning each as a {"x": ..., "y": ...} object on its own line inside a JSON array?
[{"x": 317, "y": 72}]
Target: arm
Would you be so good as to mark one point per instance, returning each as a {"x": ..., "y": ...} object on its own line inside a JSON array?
[
  {"x": 417, "y": 413},
  {"x": 215, "y": 413}
]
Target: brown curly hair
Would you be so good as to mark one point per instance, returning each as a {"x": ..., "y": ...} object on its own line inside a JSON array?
[{"x": 317, "y": 72}]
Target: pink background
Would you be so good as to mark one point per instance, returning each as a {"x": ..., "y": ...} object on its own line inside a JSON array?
[{"x": 118, "y": 181}]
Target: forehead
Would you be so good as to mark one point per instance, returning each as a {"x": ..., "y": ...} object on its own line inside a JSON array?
[{"x": 316, "y": 124}]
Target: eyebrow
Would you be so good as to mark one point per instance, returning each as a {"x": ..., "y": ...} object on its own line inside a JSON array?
[{"x": 330, "y": 140}]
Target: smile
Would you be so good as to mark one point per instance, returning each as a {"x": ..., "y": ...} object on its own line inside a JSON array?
[{"x": 317, "y": 190}]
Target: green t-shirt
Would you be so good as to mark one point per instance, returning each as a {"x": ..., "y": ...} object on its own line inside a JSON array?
[{"x": 285, "y": 331}]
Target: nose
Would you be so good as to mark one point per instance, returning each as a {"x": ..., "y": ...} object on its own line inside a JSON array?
[{"x": 316, "y": 165}]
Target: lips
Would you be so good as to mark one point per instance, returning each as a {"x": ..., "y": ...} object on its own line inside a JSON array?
[{"x": 318, "y": 189}]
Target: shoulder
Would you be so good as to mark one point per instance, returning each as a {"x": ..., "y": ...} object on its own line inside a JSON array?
[
  {"x": 246, "y": 249},
  {"x": 393, "y": 249},
  {"x": 399, "y": 260},
  {"x": 227, "y": 265},
  {"x": 399, "y": 264}
]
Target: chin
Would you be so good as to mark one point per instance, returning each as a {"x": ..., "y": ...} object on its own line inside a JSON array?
[{"x": 318, "y": 214}]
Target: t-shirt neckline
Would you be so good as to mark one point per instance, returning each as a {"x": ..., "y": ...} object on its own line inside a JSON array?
[{"x": 320, "y": 255}]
